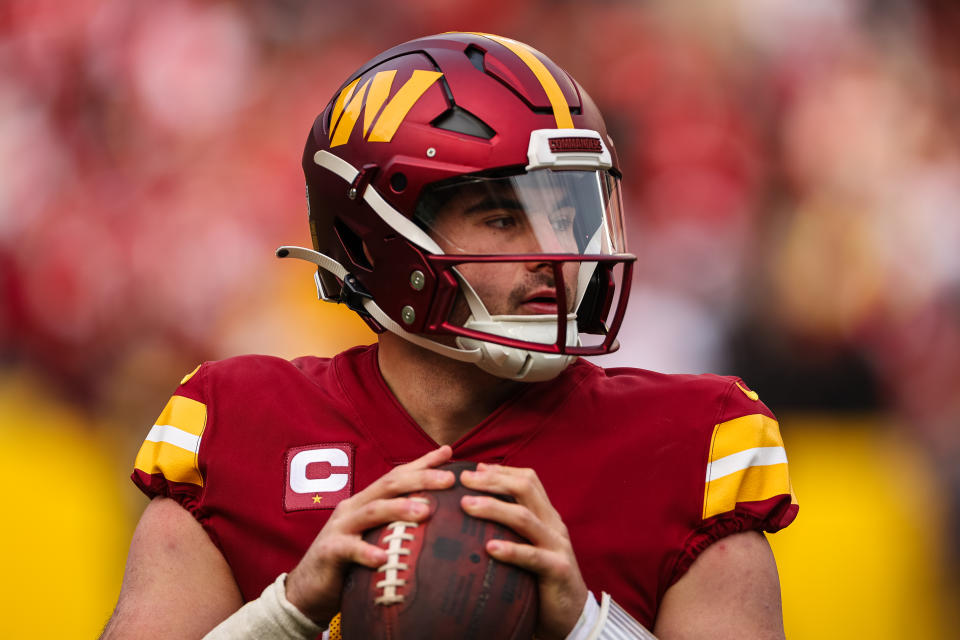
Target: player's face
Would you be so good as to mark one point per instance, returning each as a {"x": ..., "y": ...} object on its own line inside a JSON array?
[{"x": 484, "y": 220}]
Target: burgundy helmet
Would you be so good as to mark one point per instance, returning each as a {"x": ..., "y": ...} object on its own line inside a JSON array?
[{"x": 463, "y": 193}]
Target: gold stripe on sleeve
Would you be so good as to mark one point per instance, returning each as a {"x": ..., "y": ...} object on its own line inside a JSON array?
[
  {"x": 747, "y": 463},
  {"x": 746, "y": 432},
  {"x": 174, "y": 463},
  {"x": 752, "y": 484},
  {"x": 173, "y": 443},
  {"x": 184, "y": 414}
]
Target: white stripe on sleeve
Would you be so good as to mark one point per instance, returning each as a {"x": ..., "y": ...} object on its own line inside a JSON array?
[
  {"x": 756, "y": 457},
  {"x": 172, "y": 435}
]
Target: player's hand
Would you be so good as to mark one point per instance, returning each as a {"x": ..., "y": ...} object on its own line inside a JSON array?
[
  {"x": 549, "y": 554},
  {"x": 315, "y": 584}
]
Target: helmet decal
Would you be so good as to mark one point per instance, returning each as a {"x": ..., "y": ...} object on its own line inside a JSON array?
[
  {"x": 370, "y": 98},
  {"x": 561, "y": 110}
]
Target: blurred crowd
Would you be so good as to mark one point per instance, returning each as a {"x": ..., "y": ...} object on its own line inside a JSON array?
[{"x": 792, "y": 173}]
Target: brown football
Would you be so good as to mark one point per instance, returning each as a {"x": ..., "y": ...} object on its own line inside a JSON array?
[{"x": 439, "y": 581}]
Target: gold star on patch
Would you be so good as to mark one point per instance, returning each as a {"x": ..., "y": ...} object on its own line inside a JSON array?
[{"x": 317, "y": 499}]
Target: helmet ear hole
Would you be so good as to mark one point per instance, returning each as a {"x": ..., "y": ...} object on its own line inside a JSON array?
[
  {"x": 398, "y": 182},
  {"x": 353, "y": 245}
]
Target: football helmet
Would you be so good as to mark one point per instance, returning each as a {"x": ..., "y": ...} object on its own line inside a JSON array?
[{"x": 463, "y": 193}]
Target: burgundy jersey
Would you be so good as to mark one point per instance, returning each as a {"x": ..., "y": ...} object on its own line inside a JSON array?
[{"x": 646, "y": 469}]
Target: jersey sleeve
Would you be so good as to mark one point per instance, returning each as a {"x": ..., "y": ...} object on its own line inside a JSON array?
[
  {"x": 169, "y": 463},
  {"x": 746, "y": 481}
]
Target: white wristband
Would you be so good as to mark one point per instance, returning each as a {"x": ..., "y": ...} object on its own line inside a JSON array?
[
  {"x": 269, "y": 617},
  {"x": 587, "y": 620},
  {"x": 606, "y": 621}
]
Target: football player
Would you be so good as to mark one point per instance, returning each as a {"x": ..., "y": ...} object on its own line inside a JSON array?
[{"x": 464, "y": 199}]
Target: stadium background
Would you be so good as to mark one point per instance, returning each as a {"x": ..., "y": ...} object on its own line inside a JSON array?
[{"x": 792, "y": 173}]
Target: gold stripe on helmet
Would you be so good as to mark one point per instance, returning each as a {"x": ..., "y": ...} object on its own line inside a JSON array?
[{"x": 561, "y": 110}]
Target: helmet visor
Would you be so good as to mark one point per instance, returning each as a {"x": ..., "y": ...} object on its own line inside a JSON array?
[
  {"x": 526, "y": 246},
  {"x": 540, "y": 212}
]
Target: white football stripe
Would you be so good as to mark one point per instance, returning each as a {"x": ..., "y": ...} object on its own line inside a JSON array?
[
  {"x": 756, "y": 457},
  {"x": 176, "y": 437}
]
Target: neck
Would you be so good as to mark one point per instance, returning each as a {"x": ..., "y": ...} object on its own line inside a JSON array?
[{"x": 447, "y": 398}]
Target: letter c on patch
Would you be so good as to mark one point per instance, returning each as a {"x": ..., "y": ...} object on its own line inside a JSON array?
[{"x": 299, "y": 481}]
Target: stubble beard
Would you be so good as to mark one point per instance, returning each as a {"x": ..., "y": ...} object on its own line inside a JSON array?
[{"x": 513, "y": 303}]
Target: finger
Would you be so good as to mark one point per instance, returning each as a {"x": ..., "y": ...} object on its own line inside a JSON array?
[
  {"x": 403, "y": 481},
  {"x": 381, "y": 511},
  {"x": 362, "y": 552},
  {"x": 417, "y": 475},
  {"x": 521, "y": 484},
  {"x": 515, "y": 481},
  {"x": 430, "y": 459},
  {"x": 534, "y": 559},
  {"x": 516, "y": 517}
]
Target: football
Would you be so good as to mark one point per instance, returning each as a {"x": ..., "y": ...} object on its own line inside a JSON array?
[{"x": 439, "y": 581}]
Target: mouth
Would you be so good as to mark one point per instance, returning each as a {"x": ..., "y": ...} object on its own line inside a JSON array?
[{"x": 541, "y": 301}]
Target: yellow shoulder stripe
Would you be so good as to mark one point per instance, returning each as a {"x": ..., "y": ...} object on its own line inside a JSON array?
[
  {"x": 747, "y": 463},
  {"x": 173, "y": 443},
  {"x": 746, "y": 432}
]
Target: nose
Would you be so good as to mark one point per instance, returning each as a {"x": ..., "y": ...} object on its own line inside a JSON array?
[
  {"x": 533, "y": 246},
  {"x": 547, "y": 242},
  {"x": 534, "y": 267}
]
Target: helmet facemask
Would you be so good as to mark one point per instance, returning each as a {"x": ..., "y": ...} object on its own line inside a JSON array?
[{"x": 524, "y": 250}]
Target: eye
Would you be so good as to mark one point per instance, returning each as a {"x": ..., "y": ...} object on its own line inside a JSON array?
[
  {"x": 562, "y": 221},
  {"x": 501, "y": 221}
]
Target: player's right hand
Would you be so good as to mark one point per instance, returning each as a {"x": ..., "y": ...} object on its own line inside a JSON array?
[{"x": 314, "y": 585}]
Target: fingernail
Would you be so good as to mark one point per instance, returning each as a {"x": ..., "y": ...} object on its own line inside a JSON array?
[
  {"x": 418, "y": 508},
  {"x": 493, "y": 545},
  {"x": 470, "y": 500}
]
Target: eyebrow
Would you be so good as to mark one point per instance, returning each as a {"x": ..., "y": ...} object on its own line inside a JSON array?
[{"x": 490, "y": 203}]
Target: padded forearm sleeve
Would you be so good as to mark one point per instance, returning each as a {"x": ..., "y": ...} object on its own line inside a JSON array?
[{"x": 269, "y": 617}]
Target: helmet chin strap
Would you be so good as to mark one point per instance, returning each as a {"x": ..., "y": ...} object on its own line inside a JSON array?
[
  {"x": 521, "y": 364},
  {"x": 511, "y": 362}
]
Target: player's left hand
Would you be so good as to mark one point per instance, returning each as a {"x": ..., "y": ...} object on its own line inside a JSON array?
[{"x": 549, "y": 554}]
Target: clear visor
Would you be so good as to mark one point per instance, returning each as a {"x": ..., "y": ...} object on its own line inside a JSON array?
[
  {"x": 512, "y": 241},
  {"x": 544, "y": 211}
]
